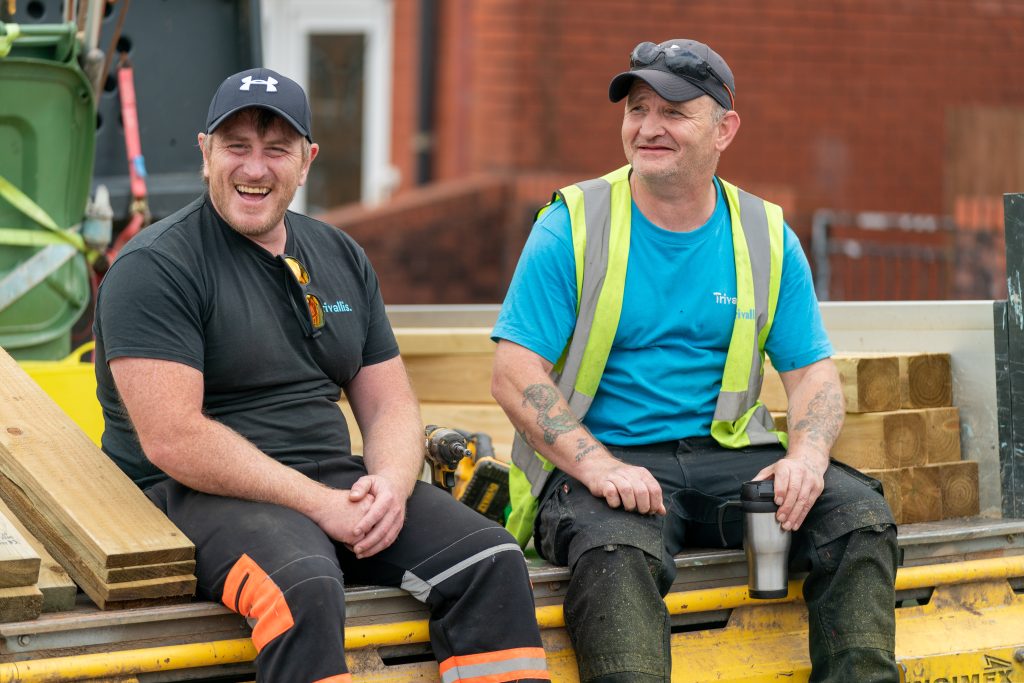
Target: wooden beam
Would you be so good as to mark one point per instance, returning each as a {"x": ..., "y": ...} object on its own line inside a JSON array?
[
  {"x": 20, "y": 604},
  {"x": 942, "y": 427},
  {"x": 890, "y": 480},
  {"x": 64, "y": 476},
  {"x": 921, "y": 491},
  {"x": 451, "y": 378},
  {"x": 926, "y": 380},
  {"x": 433, "y": 341},
  {"x": 959, "y": 485},
  {"x": 882, "y": 440},
  {"x": 869, "y": 384}
]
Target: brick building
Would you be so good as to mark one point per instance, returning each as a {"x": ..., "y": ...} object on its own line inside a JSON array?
[{"x": 857, "y": 105}]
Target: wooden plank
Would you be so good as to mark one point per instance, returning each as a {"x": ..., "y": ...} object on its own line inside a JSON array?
[
  {"x": 65, "y": 476},
  {"x": 19, "y": 563},
  {"x": 959, "y": 485},
  {"x": 20, "y": 604},
  {"x": 452, "y": 378},
  {"x": 487, "y": 418},
  {"x": 921, "y": 493},
  {"x": 890, "y": 480},
  {"x": 58, "y": 590},
  {"x": 146, "y": 571},
  {"x": 942, "y": 428},
  {"x": 882, "y": 440},
  {"x": 869, "y": 384},
  {"x": 166, "y": 587},
  {"x": 433, "y": 341}
]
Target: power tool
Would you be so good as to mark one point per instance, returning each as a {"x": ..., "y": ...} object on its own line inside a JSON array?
[
  {"x": 483, "y": 479},
  {"x": 445, "y": 449}
]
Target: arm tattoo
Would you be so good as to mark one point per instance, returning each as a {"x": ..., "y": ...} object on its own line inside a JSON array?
[
  {"x": 583, "y": 449},
  {"x": 544, "y": 398},
  {"x": 823, "y": 419}
]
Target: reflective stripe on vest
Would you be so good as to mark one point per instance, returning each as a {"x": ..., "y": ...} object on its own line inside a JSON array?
[{"x": 600, "y": 213}]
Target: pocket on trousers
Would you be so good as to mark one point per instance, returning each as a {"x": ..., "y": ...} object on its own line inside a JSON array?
[
  {"x": 555, "y": 519},
  {"x": 703, "y": 513}
]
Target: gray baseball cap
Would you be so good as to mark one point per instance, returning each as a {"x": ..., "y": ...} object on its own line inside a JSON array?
[
  {"x": 679, "y": 70},
  {"x": 265, "y": 89}
]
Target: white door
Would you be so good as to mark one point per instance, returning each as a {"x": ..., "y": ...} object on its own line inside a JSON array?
[{"x": 340, "y": 52}]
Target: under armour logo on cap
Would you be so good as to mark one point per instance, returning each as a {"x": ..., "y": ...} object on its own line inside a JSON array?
[
  {"x": 270, "y": 82},
  {"x": 279, "y": 94}
]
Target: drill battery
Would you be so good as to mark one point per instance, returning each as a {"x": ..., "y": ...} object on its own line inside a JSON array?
[{"x": 483, "y": 479}]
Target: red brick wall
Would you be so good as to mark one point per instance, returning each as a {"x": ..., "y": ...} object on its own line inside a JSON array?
[
  {"x": 442, "y": 244},
  {"x": 846, "y": 104},
  {"x": 843, "y": 102}
]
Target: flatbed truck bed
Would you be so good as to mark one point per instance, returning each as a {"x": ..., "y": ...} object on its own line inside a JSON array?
[{"x": 718, "y": 632}]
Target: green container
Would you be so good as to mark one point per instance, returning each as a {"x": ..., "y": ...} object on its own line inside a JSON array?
[{"x": 47, "y": 144}]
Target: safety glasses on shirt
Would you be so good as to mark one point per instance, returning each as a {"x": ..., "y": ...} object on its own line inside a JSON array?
[
  {"x": 307, "y": 306},
  {"x": 681, "y": 62}
]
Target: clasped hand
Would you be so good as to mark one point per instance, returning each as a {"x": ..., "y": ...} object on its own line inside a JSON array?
[{"x": 366, "y": 518}]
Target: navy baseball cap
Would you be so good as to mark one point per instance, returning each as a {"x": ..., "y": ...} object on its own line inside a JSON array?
[
  {"x": 679, "y": 70},
  {"x": 264, "y": 89}
]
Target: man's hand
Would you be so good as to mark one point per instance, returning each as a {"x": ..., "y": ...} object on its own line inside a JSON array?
[
  {"x": 799, "y": 480},
  {"x": 338, "y": 515},
  {"x": 383, "y": 520},
  {"x": 632, "y": 487}
]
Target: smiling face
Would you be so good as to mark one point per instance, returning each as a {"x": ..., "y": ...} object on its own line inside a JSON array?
[
  {"x": 253, "y": 173},
  {"x": 676, "y": 143}
]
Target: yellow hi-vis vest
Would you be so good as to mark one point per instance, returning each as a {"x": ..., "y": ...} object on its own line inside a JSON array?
[{"x": 599, "y": 212}]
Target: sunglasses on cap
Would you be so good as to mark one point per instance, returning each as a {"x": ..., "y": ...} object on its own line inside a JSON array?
[
  {"x": 307, "y": 306},
  {"x": 680, "y": 61}
]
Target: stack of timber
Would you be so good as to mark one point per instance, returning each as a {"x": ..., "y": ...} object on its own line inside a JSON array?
[
  {"x": 450, "y": 371},
  {"x": 57, "y": 589},
  {"x": 116, "y": 545},
  {"x": 20, "y": 597},
  {"x": 901, "y": 428}
]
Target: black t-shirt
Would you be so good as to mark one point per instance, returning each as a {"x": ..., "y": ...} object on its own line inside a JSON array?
[{"x": 190, "y": 289}]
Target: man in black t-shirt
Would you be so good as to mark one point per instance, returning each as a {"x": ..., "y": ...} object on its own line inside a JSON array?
[{"x": 225, "y": 335}]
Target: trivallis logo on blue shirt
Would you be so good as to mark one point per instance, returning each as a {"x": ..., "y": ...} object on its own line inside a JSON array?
[{"x": 726, "y": 300}]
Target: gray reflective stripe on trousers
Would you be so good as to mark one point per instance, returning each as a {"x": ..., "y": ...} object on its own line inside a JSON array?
[
  {"x": 754, "y": 219},
  {"x": 420, "y": 588},
  {"x": 597, "y": 206},
  {"x": 462, "y": 672}
]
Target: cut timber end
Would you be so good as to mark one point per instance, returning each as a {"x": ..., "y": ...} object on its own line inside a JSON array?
[
  {"x": 20, "y": 604},
  {"x": 926, "y": 380},
  {"x": 959, "y": 482},
  {"x": 869, "y": 384},
  {"x": 921, "y": 490}
]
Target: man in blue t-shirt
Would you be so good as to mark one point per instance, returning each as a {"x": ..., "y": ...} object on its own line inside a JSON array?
[{"x": 640, "y": 475}]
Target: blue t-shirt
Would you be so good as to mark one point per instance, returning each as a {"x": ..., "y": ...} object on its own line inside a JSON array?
[{"x": 664, "y": 371}]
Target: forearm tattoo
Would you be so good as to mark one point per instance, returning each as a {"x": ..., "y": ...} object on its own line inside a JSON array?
[
  {"x": 544, "y": 398},
  {"x": 823, "y": 419},
  {"x": 583, "y": 448}
]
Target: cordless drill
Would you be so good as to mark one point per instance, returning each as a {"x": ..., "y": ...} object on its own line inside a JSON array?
[{"x": 445, "y": 449}]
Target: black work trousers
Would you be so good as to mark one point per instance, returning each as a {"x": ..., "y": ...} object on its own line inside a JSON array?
[
  {"x": 621, "y": 562},
  {"x": 278, "y": 569}
]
